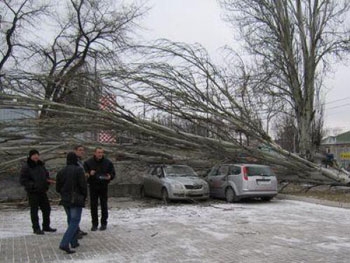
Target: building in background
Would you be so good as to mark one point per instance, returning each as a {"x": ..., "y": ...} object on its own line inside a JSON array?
[
  {"x": 339, "y": 146},
  {"x": 12, "y": 124},
  {"x": 17, "y": 114}
]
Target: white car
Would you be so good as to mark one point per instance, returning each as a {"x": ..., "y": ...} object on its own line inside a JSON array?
[
  {"x": 174, "y": 182},
  {"x": 236, "y": 181}
]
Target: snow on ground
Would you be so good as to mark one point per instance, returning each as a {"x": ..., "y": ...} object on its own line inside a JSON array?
[
  {"x": 210, "y": 218},
  {"x": 200, "y": 216},
  {"x": 275, "y": 227}
]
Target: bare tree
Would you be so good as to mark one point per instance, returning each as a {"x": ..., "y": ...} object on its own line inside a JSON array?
[
  {"x": 16, "y": 17},
  {"x": 293, "y": 43},
  {"x": 90, "y": 34}
]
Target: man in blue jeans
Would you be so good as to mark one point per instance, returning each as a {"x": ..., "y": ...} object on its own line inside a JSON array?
[
  {"x": 70, "y": 236},
  {"x": 70, "y": 181},
  {"x": 79, "y": 151}
]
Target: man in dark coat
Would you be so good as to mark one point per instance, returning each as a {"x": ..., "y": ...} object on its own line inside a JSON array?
[
  {"x": 79, "y": 151},
  {"x": 35, "y": 179},
  {"x": 101, "y": 172},
  {"x": 70, "y": 183}
]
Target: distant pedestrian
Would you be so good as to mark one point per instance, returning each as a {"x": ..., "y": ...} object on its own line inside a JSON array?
[
  {"x": 35, "y": 179},
  {"x": 71, "y": 184},
  {"x": 79, "y": 151},
  {"x": 329, "y": 159},
  {"x": 101, "y": 172}
]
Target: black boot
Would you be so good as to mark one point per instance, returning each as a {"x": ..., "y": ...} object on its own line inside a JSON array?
[
  {"x": 67, "y": 249},
  {"x": 49, "y": 229},
  {"x": 81, "y": 232},
  {"x": 76, "y": 245},
  {"x": 38, "y": 231}
]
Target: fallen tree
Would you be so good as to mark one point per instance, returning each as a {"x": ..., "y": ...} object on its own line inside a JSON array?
[{"x": 152, "y": 142}]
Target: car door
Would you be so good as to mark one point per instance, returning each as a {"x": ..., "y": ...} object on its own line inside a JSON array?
[
  {"x": 153, "y": 182},
  {"x": 148, "y": 182},
  {"x": 235, "y": 178},
  {"x": 218, "y": 181},
  {"x": 158, "y": 182}
]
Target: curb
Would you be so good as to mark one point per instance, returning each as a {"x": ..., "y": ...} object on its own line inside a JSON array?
[{"x": 313, "y": 201}]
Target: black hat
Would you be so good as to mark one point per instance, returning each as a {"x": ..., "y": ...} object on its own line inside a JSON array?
[{"x": 32, "y": 152}]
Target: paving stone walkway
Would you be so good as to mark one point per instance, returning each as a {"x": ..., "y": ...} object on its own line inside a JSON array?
[{"x": 143, "y": 231}]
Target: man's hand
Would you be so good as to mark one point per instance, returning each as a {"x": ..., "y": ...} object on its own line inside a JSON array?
[
  {"x": 51, "y": 181},
  {"x": 92, "y": 172}
]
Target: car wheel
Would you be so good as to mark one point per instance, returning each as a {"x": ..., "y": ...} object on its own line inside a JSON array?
[
  {"x": 266, "y": 198},
  {"x": 230, "y": 195},
  {"x": 165, "y": 196},
  {"x": 142, "y": 192}
]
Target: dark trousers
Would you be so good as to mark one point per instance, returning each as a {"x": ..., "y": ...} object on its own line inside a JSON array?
[
  {"x": 99, "y": 193},
  {"x": 36, "y": 201}
]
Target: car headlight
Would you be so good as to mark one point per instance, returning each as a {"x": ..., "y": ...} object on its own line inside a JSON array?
[{"x": 178, "y": 186}]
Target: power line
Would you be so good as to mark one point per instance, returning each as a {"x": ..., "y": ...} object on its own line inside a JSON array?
[
  {"x": 330, "y": 102},
  {"x": 339, "y": 106}
]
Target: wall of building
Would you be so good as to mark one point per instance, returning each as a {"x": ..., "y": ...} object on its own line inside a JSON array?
[{"x": 15, "y": 114}]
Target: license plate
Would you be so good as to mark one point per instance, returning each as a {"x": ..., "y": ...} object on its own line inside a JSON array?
[{"x": 264, "y": 182}]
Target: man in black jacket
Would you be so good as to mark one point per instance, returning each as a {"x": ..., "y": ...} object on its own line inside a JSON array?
[
  {"x": 101, "y": 172},
  {"x": 35, "y": 179}
]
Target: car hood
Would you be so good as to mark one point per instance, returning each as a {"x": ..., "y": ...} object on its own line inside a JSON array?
[{"x": 186, "y": 180}]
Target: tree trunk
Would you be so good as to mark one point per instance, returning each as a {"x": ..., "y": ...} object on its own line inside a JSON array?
[{"x": 306, "y": 147}]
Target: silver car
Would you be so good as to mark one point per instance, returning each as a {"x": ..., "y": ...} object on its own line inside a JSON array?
[
  {"x": 174, "y": 182},
  {"x": 236, "y": 181}
]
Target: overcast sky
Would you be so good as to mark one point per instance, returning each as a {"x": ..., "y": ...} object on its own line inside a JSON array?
[{"x": 200, "y": 21}]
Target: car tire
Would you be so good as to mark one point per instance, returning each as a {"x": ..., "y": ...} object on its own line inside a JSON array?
[
  {"x": 165, "y": 196},
  {"x": 230, "y": 195},
  {"x": 142, "y": 192}
]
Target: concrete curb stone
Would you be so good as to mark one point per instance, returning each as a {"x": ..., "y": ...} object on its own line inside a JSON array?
[{"x": 314, "y": 201}]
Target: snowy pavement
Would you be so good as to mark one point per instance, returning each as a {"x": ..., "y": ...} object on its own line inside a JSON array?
[{"x": 213, "y": 231}]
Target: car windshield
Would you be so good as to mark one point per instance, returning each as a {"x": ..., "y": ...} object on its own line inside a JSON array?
[
  {"x": 259, "y": 170},
  {"x": 179, "y": 170}
]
